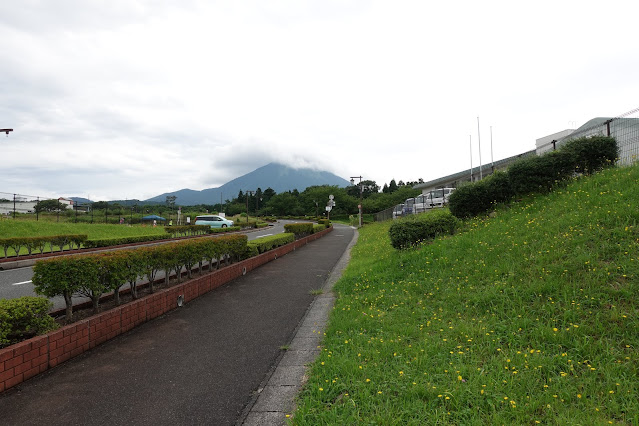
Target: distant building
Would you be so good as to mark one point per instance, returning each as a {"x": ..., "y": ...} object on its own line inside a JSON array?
[
  {"x": 625, "y": 130},
  {"x": 68, "y": 203},
  {"x": 548, "y": 143}
]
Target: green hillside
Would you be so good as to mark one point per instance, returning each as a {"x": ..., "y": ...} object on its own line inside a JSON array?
[{"x": 526, "y": 317}]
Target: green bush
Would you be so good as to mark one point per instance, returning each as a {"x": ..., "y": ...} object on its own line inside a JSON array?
[
  {"x": 470, "y": 200},
  {"x": 592, "y": 154},
  {"x": 95, "y": 274},
  {"x": 222, "y": 230},
  {"x": 415, "y": 229},
  {"x": 23, "y": 318},
  {"x": 32, "y": 244},
  {"x": 300, "y": 230},
  {"x": 318, "y": 228},
  {"x": 108, "y": 242},
  {"x": 540, "y": 174},
  {"x": 325, "y": 222},
  {"x": 187, "y": 230},
  {"x": 272, "y": 241}
]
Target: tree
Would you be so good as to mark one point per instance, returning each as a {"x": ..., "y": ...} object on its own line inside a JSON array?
[
  {"x": 392, "y": 187},
  {"x": 49, "y": 206},
  {"x": 268, "y": 194}
]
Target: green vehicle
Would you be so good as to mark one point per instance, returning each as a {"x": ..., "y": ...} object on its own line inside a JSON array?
[{"x": 214, "y": 221}]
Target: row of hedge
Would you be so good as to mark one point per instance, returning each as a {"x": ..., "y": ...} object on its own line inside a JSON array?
[
  {"x": 301, "y": 230},
  {"x": 538, "y": 174},
  {"x": 108, "y": 242},
  {"x": 270, "y": 242},
  {"x": 184, "y": 230},
  {"x": 39, "y": 244},
  {"x": 93, "y": 275}
]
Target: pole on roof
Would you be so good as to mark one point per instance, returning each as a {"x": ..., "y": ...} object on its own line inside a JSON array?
[
  {"x": 470, "y": 139},
  {"x": 481, "y": 176},
  {"x": 492, "y": 158}
]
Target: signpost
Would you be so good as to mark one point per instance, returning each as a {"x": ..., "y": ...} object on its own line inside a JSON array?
[{"x": 330, "y": 205}]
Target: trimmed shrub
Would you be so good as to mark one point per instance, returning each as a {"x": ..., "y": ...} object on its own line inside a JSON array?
[
  {"x": 415, "y": 229},
  {"x": 108, "y": 242},
  {"x": 300, "y": 230},
  {"x": 325, "y": 222},
  {"x": 187, "y": 230},
  {"x": 318, "y": 228},
  {"x": 470, "y": 200},
  {"x": 592, "y": 154},
  {"x": 39, "y": 243},
  {"x": 540, "y": 174},
  {"x": 272, "y": 241},
  {"x": 23, "y": 318},
  {"x": 223, "y": 230}
]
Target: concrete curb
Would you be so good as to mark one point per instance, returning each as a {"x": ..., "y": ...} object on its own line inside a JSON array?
[{"x": 275, "y": 399}]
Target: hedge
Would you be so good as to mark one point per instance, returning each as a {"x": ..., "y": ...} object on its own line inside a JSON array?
[
  {"x": 93, "y": 275},
  {"x": 300, "y": 230},
  {"x": 108, "y": 242},
  {"x": 534, "y": 174},
  {"x": 223, "y": 230},
  {"x": 592, "y": 154},
  {"x": 187, "y": 230},
  {"x": 415, "y": 229},
  {"x": 272, "y": 241},
  {"x": 23, "y": 318},
  {"x": 40, "y": 243}
]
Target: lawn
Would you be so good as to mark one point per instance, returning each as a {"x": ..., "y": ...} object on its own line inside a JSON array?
[
  {"x": 22, "y": 228},
  {"x": 526, "y": 317}
]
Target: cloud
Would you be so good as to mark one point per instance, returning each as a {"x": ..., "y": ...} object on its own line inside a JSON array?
[{"x": 133, "y": 99}]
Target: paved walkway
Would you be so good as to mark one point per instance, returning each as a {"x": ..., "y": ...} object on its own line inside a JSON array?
[{"x": 211, "y": 362}]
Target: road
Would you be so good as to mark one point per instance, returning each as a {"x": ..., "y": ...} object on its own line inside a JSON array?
[{"x": 16, "y": 283}]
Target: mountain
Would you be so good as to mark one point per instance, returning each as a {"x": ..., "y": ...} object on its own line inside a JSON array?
[{"x": 279, "y": 177}]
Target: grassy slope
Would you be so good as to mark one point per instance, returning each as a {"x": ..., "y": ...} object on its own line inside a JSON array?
[{"x": 530, "y": 316}]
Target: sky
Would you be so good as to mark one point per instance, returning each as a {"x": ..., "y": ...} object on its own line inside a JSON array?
[{"x": 129, "y": 99}]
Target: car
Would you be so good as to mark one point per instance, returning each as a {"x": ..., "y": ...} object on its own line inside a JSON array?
[{"x": 213, "y": 220}]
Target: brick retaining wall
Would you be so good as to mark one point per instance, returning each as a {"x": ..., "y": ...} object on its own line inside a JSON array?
[{"x": 26, "y": 359}]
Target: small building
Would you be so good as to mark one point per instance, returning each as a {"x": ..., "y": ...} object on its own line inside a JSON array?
[{"x": 68, "y": 203}]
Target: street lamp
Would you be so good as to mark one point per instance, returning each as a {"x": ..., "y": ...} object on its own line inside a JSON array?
[
  {"x": 360, "y": 196},
  {"x": 248, "y": 194},
  {"x": 6, "y": 131}
]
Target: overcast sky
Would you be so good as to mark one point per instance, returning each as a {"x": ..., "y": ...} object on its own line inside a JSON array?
[{"x": 129, "y": 99}]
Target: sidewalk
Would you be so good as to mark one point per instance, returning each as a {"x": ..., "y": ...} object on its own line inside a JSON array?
[{"x": 201, "y": 364}]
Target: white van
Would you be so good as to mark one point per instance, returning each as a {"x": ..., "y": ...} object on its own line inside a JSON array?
[{"x": 432, "y": 199}]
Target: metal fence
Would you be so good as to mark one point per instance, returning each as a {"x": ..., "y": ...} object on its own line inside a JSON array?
[
  {"x": 624, "y": 128},
  {"x": 384, "y": 215},
  {"x": 10, "y": 203}
]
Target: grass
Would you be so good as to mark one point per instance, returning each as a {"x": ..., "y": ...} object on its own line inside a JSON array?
[
  {"x": 524, "y": 318},
  {"x": 316, "y": 292},
  {"x": 21, "y": 228}
]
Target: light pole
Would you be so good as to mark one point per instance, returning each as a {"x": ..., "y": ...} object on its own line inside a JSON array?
[
  {"x": 360, "y": 196},
  {"x": 6, "y": 131},
  {"x": 248, "y": 194}
]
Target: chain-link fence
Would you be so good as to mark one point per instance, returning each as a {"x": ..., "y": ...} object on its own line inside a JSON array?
[
  {"x": 11, "y": 204},
  {"x": 624, "y": 128}
]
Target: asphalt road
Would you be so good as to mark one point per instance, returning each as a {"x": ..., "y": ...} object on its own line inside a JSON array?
[
  {"x": 200, "y": 364},
  {"x": 17, "y": 282}
]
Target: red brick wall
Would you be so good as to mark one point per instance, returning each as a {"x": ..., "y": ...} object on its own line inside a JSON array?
[{"x": 24, "y": 360}]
